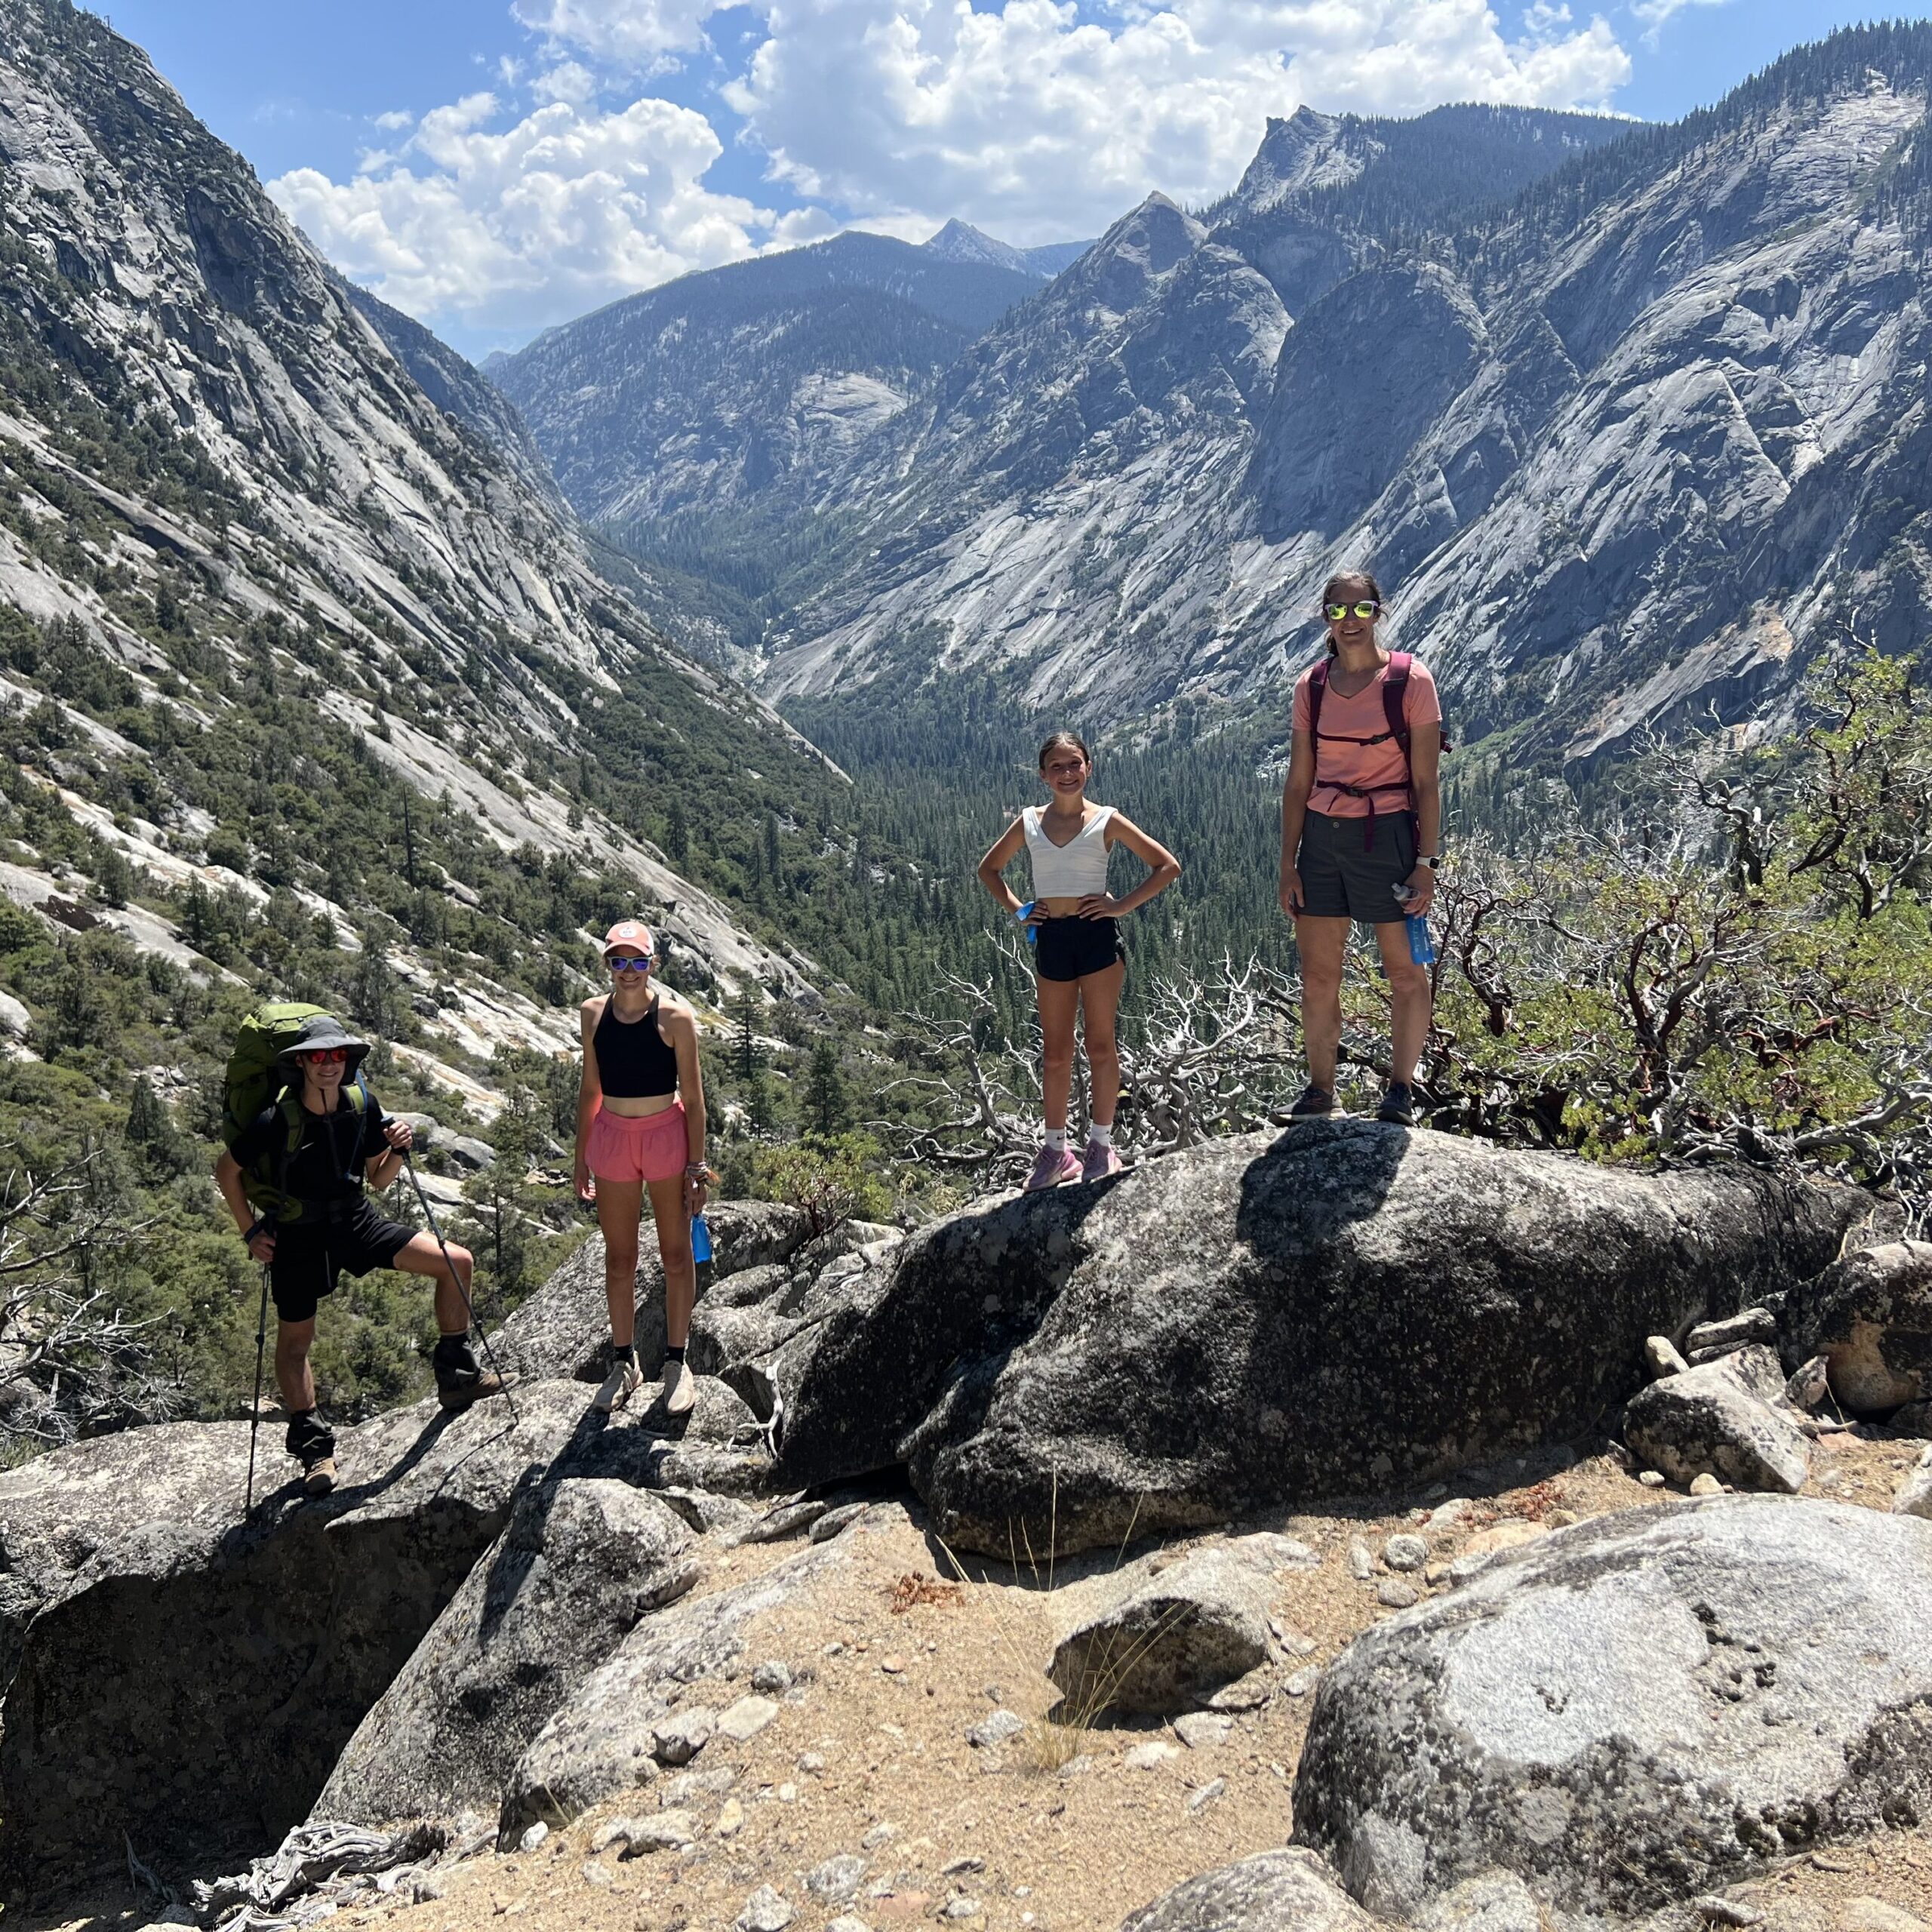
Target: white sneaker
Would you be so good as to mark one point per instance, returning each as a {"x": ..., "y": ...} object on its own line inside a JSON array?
[
  {"x": 624, "y": 1382},
  {"x": 679, "y": 1388}
]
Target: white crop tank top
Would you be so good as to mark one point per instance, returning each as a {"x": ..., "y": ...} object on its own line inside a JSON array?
[{"x": 1075, "y": 869}]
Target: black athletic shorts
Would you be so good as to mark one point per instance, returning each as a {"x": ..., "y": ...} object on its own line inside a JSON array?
[
  {"x": 310, "y": 1254},
  {"x": 1071, "y": 948},
  {"x": 1345, "y": 876}
]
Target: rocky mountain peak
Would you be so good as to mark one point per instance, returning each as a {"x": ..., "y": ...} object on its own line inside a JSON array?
[
  {"x": 1308, "y": 150},
  {"x": 961, "y": 241}
]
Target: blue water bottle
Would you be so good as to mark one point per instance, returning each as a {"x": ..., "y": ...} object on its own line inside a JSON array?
[
  {"x": 1025, "y": 913},
  {"x": 700, "y": 1239},
  {"x": 1422, "y": 948}
]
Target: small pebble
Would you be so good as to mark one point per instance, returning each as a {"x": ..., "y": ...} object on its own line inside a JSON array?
[
  {"x": 1361, "y": 1561},
  {"x": 669, "y": 1831},
  {"x": 879, "y": 1834},
  {"x": 811, "y": 1761},
  {"x": 731, "y": 1819},
  {"x": 892, "y": 1666},
  {"x": 994, "y": 1729},
  {"x": 1706, "y": 1484},
  {"x": 788, "y": 1793},
  {"x": 1199, "y": 1801},
  {"x": 1715, "y": 1911},
  {"x": 766, "y": 1910},
  {"x": 837, "y": 1879},
  {"x": 971, "y": 1862},
  {"x": 1199, "y": 1730},
  {"x": 534, "y": 1836},
  {"x": 1149, "y": 1757},
  {"x": 1396, "y": 1594},
  {"x": 845, "y": 1922},
  {"x": 1649, "y": 1478},
  {"x": 1303, "y": 1682},
  {"x": 774, "y": 1678},
  {"x": 962, "y": 1907},
  {"x": 744, "y": 1720},
  {"x": 1405, "y": 1552},
  {"x": 1078, "y": 1767},
  {"x": 594, "y": 1874}
]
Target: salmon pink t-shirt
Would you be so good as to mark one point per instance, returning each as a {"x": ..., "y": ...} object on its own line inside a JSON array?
[{"x": 1382, "y": 767}]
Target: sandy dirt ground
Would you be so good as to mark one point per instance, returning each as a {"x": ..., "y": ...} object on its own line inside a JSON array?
[{"x": 1055, "y": 1830}]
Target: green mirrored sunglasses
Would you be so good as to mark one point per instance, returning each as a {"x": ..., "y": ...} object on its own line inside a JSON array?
[{"x": 1335, "y": 613}]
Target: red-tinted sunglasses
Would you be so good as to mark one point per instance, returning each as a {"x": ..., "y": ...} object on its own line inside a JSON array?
[{"x": 325, "y": 1056}]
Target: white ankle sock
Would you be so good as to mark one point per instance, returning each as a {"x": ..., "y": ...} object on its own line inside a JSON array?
[
  {"x": 1056, "y": 1139},
  {"x": 1098, "y": 1136}
]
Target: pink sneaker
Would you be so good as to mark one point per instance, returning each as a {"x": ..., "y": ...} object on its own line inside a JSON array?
[
  {"x": 1100, "y": 1162},
  {"x": 1054, "y": 1165}
]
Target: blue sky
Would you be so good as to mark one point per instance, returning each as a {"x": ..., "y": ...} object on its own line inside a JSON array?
[{"x": 502, "y": 164}]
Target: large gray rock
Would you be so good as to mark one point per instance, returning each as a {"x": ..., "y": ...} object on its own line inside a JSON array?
[
  {"x": 1870, "y": 1316},
  {"x": 563, "y": 1330},
  {"x": 1259, "y": 1321},
  {"x": 596, "y": 1746},
  {"x": 209, "y": 1749},
  {"x": 580, "y": 1562},
  {"x": 1290, "y": 1890},
  {"x": 189, "y": 1678},
  {"x": 1168, "y": 1639},
  {"x": 1725, "y": 1418},
  {"x": 1633, "y": 1711}
]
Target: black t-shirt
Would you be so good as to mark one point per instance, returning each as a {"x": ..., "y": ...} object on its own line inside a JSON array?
[{"x": 326, "y": 1166}]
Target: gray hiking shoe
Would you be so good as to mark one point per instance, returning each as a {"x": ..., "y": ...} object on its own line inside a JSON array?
[
  {"x": 1312, "y": 1103},
  {"x": 1398, "y": 1105},
  {"x": 624, "y": 1382}
]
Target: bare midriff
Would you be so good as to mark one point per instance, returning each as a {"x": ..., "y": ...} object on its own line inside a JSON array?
[
  {"x": 641, "y": 1107},
  {"x": 1058, "y": 909}
]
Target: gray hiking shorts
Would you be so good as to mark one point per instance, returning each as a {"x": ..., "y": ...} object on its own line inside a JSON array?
[{"x": 1350, "y": 867}]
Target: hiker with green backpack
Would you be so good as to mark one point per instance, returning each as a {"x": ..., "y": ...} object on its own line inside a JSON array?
[{"x": 304, "y": 1138}]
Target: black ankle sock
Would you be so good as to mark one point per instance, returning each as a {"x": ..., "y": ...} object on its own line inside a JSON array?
[
  {"x": 623, "y": 1351},
  {"x": 676, "y": 1354}
]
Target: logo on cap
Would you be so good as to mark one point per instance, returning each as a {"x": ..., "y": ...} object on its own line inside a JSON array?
[{"x": 629, "y": 932}]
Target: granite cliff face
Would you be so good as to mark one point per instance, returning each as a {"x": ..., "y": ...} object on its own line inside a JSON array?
[
  {"x": 233, "y": 483},
  {"x": 1626, "y": 449}
]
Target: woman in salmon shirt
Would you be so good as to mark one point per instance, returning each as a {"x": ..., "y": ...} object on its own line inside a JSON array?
[{"x": 1361, "y": 821}]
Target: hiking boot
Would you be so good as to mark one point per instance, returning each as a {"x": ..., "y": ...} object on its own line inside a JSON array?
[
  {"x": 459, "y": 1381},
  {"x": 679, "y": 1388},
  {"x": 624, "y": 1382},
  {"x": 1312, "y": 1103},
  {"x": 1398, "y": 1105},
  {"x": 1100, "y": 1162},
  {"x": 318, "y": 1477},
  {"x": 1054, "y": 1165}
]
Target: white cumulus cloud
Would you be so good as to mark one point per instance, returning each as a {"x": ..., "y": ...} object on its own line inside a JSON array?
[
  {"x": 1031, "y": 119},
  {"x": 1038, "y": 123},
  {"x": 565, "y": 209}
]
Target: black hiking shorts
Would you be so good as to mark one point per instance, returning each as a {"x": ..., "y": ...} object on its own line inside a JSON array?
[
  {"x": 1071, "y": 948},
  {"x": 1350, "y": 867},
  {"x": 310, "y": 1254}
]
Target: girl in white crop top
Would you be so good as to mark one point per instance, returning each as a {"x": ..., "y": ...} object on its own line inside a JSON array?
[{"x": 1077, "y": 961}]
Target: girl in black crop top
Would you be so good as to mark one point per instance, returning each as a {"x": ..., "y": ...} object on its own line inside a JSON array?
[{"x": 640, "y": 1130}]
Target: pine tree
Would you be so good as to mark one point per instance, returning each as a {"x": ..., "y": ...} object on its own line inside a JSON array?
[{"x": 826, "y": 1103}]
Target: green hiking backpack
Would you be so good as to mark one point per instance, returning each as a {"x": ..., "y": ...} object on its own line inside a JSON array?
[{"x": 257, "y": 1077}]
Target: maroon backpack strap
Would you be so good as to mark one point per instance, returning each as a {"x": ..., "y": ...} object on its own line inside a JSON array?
[{"x": 1395, "y": 697}]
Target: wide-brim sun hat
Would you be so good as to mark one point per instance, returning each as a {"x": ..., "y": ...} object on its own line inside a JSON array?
[
  {"x": 629, "y": 932},
  {"x": 325, "y": 1030}
]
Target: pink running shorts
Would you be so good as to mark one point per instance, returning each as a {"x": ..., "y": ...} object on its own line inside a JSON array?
[{"x": 652, "y": 1149}]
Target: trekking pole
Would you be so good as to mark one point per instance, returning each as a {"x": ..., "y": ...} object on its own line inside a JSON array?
[
  {"x": 489, "y": 1354},
  {"x": 255, "y": 1412}
]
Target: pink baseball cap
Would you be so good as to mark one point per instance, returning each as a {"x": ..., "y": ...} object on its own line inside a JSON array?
[{"x": 629, "y": 932}]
